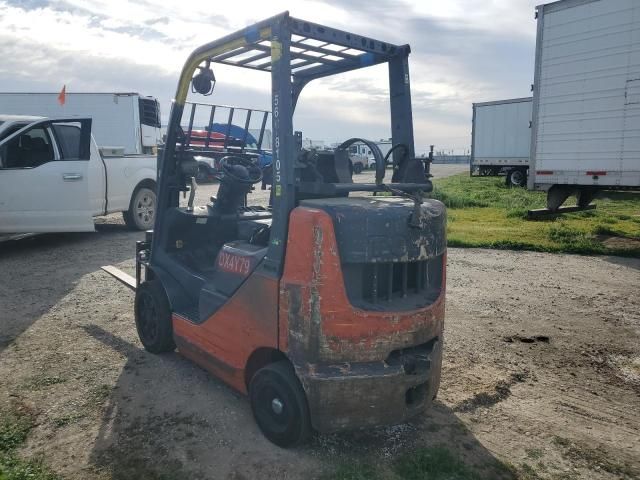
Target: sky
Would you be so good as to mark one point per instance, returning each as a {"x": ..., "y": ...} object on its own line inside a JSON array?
[{"x": 462, "y": 51}]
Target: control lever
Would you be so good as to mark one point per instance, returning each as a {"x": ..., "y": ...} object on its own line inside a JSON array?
[{"x": 192, "y": 194}]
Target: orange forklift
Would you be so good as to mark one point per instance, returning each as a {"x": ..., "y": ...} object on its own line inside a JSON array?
[{"x": 327, "y": 306}]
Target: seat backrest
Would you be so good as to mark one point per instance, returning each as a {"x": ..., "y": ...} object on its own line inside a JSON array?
[{"x": 39, "y": 152}]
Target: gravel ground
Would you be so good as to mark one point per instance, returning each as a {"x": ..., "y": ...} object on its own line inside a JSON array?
[{"x": 542, "y": 367}]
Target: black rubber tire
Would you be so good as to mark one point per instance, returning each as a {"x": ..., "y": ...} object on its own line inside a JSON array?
[
  {"x": 153, "y": 318},
  {"x": 516, "y": 177},
  {"x": 357, "y": 168},
  {"x": 132, "y": 217},
  {"x": 373, "y": 166},
  {"x": 278, "y": 381}
]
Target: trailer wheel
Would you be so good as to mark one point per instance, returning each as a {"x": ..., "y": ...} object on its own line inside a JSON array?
[
  {"x": 357, "y": 168},
  {"x": 142, "y": 209},
  {"x": 279, "y": 404},
  {"x": 516, "y": 177},
  {"x": 153, "y": 318}
]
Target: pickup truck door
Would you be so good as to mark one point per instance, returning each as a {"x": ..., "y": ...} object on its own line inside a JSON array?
[{"x": 44, "y": 186}]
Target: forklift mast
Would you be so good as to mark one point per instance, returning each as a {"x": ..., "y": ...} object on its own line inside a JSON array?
[{"x": 294, "y": 52}]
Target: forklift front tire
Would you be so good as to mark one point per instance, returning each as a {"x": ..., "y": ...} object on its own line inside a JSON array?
[
  {"x": 279, "y": 405},
  {"x": 153, "y": 318}
]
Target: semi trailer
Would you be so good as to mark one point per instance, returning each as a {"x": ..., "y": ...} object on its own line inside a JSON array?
[
  {"x": 501, "y": 139},
  {"x": 586, "y": 100}
]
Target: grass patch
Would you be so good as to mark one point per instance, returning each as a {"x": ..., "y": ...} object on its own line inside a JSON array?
[
  {"x": 14, "y": 428},
  {"x": 534, "y": 453},
  {"x": 38, "y": 382},
  {"x": 15, "y": 425},
  {"x": 352, "y": 471},
  {"x": 593, "y": 458},
  {"x": 436, "y": 463},
  {"x": 65, "y": 420},
  {"x": 484, "y": 212}
]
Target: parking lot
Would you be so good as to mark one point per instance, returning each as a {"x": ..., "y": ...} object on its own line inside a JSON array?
[{"x": 541, "y": 369}]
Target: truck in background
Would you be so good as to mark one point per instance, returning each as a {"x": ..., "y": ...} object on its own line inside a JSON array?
[
  {"x": 362, "y": 157},
  {"x": 586, "y": 100},
  {"x": 127, "y": 120},
  {"x": 501, "y": 139},
  {"x": 53, "y": 178}
]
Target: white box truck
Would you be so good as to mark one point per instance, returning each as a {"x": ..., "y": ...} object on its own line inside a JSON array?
[
  {"x": 586, "y": 100},
  {"x": 501, "y": 139},
  {"x": 127, "y": 120}
]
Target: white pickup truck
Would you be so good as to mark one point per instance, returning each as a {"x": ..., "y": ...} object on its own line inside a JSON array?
[{"x": 53, "y": 178}]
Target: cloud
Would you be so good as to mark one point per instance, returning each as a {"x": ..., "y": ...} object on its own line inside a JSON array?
[{"x": 462, "y": 51}]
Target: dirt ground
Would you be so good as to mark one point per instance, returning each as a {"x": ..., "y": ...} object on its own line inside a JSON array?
[{"x": 541, "y": 371}]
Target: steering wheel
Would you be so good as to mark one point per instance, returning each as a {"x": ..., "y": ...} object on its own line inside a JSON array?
[
  {"x": 396, "y": 164},
  {"x": 240, "y": 170},
  {"x": 377, "y": 155},
  {"x": 393, "y": 149}
]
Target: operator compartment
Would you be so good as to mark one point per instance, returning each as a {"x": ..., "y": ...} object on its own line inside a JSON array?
[
  {"x": 388, "y": 263},
  {"x": 235, "y": 262}
]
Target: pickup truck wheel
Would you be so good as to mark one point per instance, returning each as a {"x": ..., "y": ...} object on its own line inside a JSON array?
[
  {"x": 357, "y": 168},
  {"x": 153, "y": 318},
  {"x": 279, "y": 404},
  {"x": 142, "y": 209}
]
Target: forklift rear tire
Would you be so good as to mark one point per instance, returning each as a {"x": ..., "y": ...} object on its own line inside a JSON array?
[
  {"x": 153, "y": 318},
  {"x": 279, "y": 405}
]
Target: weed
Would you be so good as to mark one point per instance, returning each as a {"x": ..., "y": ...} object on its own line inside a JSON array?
[
  {"x": 14, "y": 468},
  {"x": 528, "y": 472},
  {"x": 352, "y": 471},
  {"x": 65, "y": 420},
  {"x": 561, "y": 233},
  {"x": 593, "y": 458},
  {"x": 15, "y": 425},
  {"x": 38, "y": 382},
  {"x": 14, "y": 428},
  {"x": 98, "y": 395},
  {"x": 603, "y": 230},
  {"x": 435, "y": 463},
  {"x": 534, "y": 453}
]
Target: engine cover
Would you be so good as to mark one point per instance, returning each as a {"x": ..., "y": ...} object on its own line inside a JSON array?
[{"x": 377, "y": 229}]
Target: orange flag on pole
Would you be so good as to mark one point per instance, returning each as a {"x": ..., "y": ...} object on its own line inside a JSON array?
[{"x": 63, "y": 95}]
